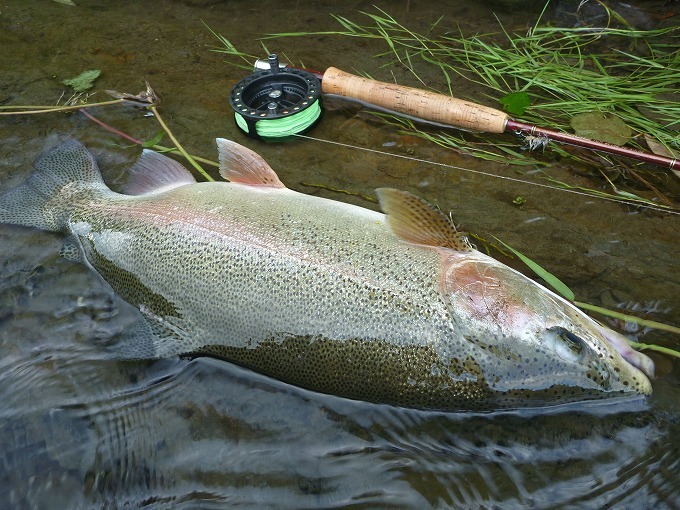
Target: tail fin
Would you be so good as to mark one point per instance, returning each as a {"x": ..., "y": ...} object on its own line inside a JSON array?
[{"x": 26, "y": 203}]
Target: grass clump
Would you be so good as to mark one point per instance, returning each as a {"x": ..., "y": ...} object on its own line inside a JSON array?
[{"x": 563, "y": 73}]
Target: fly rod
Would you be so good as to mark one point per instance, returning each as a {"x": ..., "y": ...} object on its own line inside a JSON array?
[{"x": 279, "y": 101}]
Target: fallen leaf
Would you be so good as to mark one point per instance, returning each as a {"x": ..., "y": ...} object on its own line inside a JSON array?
[
  {"x": 602, "y": 127},
  {"x": 658, "y": 148}
]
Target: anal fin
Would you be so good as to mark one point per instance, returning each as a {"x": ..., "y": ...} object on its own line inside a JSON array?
[{"x": 149, "y": 337}]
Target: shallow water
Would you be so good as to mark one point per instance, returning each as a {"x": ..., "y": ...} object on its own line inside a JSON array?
[{"x": 80, "y": 431}]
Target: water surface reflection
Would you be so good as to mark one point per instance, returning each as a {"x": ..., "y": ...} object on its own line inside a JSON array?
[{"x": 78, "y": 430}]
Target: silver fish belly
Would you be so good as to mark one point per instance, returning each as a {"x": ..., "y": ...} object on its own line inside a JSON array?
[{"x": 321, "y": 294}]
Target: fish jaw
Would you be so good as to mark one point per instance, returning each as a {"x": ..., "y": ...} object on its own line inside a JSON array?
[
  {"x": 635, "y": 358},
  {"x": 521, "y": 322}
]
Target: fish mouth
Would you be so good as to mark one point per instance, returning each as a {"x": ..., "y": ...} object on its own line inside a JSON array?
[
  {"x": 640, "y": 382},
  {"x": 631, "y": 378},
  {"x": 641, "y": 366}
]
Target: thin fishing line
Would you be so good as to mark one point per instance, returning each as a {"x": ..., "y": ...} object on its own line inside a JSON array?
[{"x": 487, "y": 174}]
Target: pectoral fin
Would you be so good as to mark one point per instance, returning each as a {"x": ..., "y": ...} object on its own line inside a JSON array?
[{"x": 150, "y": 337}]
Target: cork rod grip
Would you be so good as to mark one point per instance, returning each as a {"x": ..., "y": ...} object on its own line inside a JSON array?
[{"x": 415, "y": 102}]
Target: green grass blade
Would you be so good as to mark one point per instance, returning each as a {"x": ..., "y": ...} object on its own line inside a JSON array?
[{"x": 552, "y": 280}]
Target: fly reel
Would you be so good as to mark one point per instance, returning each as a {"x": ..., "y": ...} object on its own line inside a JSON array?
[{"x": 276, "y": 103}]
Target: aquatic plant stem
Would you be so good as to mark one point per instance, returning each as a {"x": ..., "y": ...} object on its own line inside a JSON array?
[
  {"x": 174, "y": 140},
  {"x": 568, "y": 294},
  {"x": 110, "y": 128},
  {"x": 651, "y": 347},
  {"x": 628, "y": 318},
  {"x": 157, "y": 147}
]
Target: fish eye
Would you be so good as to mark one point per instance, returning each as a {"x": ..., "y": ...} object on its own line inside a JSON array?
[
  {"x": 574, "y": 342},
  {"x": 566, "y": 344}
]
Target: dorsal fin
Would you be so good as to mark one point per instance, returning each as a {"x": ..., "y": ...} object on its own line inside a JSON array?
[
  {"x": 240, "y": 164},
  {"x": 415, "y": 221},
  {"x": 153, "y": 173}
]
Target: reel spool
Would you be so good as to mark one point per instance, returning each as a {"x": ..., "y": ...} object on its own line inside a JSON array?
[{"x": 277, "y": 103}]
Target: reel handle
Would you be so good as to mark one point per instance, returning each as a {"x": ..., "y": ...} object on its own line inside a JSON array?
[{"x": 415, "y": 102}]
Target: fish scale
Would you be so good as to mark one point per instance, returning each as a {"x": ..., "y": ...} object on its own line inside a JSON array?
[{"x": 395, "y": 308}]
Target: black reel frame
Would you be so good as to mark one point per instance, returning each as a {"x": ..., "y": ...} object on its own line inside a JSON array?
[{"x": 273, "y": 95}]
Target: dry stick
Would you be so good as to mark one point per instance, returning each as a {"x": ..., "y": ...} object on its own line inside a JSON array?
[
  {"x": 150, "y": 97},
  {"x": 122, "y": 98},
  {"x": 49, "y": 109}
]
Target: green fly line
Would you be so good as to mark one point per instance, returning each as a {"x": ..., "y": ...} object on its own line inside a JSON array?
[{"x": 284, "y": 126}]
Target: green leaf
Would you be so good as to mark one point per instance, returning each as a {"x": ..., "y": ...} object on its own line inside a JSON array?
[
  {"x": 154, "y": 141},
  {"x": 83, "y": 81},
  {"x": 549, "y": 278},
  {"x": 515, "y": 102},
  {"x": 603, "y": 127}
]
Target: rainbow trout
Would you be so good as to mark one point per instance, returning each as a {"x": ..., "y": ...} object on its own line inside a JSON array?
[{"x": 393, "y": 308}]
